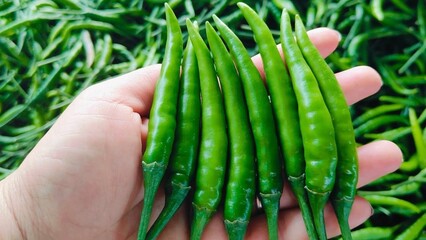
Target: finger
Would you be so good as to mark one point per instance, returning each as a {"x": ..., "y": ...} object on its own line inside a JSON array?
[
  {"x": 291, "y": 225},
  {"x": 215, "y": 229},
  {"x": 325, "y": 39},
  {"x": 134, "y": 89},
  {"x": 144, "y": 132},
  {"x": 361, "y": 211},
  {"x": 358, "y": 83},
  {"x": 375, "y": 159},
  {"x": 178, "y": 227},
  {"x": 129, "y": 223}
]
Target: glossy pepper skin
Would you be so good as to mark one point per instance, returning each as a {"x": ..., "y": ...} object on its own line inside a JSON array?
[
  {"x": 344, "y": 191},
  {"x": 286, "y": 115},
  {"x": 240, "y": 188},
  {"x": 184, "y": 155},
  {"x": 269, "y": 164},
  {"x": 210, "y": 173},
  {"x": 316, "y": 127},
  {"x": 162, "y": 122}
]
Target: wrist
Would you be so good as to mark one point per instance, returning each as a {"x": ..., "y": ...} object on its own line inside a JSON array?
[{"x": 9, "y": 224}]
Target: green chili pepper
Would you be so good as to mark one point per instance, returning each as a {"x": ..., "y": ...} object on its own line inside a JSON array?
[
  {"x": 376, "y": 111},
  {"x": 347, "y": 165},
  {"x": 285, "y": 111},
  {"x": 420, "y": 144},
  {"x": 413, "y": 231},
  {"x": 73, "y": 54},
  {"x": 360, "y": 39},
  {"x": 270, "y": 182},
  {"x": 396, "y": 190},
  {"x": 373, "y": 233},
  {"x": 377, "y": 9},
  {"x": 281, "y": 4},
  {"x": 71, "y": 4},
  {"x": 315, "y": 123},
  {"x": 162, "y": 123},
  {"x": 389, "y": 135},
  {"x": 210, "y": 175},
  {"x": 378, "y": 200},
  {"x": 410, "y": 165},
  {"x": 391, "y": 178},
  {"x": 412, "y": 101},
  {"x": 11, "y": 113},
  {"x": 274, "y": 11},
  {"x": 101, "y": 61},
  {"x": 185, "y": 148},
  {"x": 377, "y": 122},
  {"x": 8, "y": 47},
  {"x": 412, "y": 80},
  {"x": 413, "y": 58},
  {"x": 390, "y": 78},
  {"x": 216, "y": 9},
  {"x": 240, "y": 188},
  {"x": 38, "y": 93},
  {"x": 421, "y": 18}
]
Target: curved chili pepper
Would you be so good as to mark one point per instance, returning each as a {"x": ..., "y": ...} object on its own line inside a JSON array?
[
  {"x": 403, "y": 205},
  {"x": 413, "y": 231},
  {"x": 285, "y": 111},
  {"x": 344, "y": 191},
  {"x": 210, "y": 174},
  {"x": 162, "y": 120},
  {"x": 270, "y": 182},
  {"x": 316, "y": 127},
  {"x": 376, "y": 232},
  {"x": 240, "y": 188},
  {"x": 184, "y": 154}
]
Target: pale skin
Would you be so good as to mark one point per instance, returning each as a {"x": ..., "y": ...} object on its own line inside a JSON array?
[{"x": 84, "y": 180}]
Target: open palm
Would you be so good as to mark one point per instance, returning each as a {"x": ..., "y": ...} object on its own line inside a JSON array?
[{"x": 84, "y": 180}]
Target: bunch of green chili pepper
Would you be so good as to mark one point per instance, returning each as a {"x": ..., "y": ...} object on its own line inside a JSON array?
[
  {"x": 185, "y": 148},
  {"x": 347, "y": 165},
  {"x": 210, "y": 175},
  {"x": 52, "y": 49},
  {"x": 286, "y": 112},
  {"x": 269, "y": 170},
  {"x": 240, "y": 188},
  {"x": 244, "y": 125},
  {"x": 162, "y": 121},
  {"x": 316, "y": 128}
]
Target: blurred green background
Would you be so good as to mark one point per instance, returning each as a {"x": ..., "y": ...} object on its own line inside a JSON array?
[{"x": 52, "y": 49}]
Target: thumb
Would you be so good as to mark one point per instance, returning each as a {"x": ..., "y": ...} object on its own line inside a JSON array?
[{"x": 134, "y": 89}]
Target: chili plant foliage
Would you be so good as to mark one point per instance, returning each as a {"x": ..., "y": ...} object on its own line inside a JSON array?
[{"x": 52, "y": 49}]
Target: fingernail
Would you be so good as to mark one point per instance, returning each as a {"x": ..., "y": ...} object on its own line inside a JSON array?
[
  {"x": 339, "y": 35},
  {"x": 371, "y": 211}
]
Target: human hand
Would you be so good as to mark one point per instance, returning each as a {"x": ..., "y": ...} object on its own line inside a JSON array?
[{"x": 84, "y": 180}]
